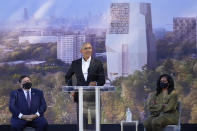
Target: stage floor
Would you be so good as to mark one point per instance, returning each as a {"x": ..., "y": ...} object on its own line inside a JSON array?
[{"x": 104, "y": 127}]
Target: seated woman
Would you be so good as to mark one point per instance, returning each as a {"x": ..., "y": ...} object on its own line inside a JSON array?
[{"x": 162, "y": 105}]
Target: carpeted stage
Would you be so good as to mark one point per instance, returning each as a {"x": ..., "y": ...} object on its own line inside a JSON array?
[{"x": 104, "y": 127}]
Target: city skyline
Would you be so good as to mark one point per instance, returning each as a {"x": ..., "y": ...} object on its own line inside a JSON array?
[{"x": 163, "y": 11}]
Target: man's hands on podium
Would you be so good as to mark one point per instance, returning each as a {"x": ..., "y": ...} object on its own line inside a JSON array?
[
  {"x": 72, "y": 94},
  {"x": 29, "y": 117},
  {"x": 92, "y": 83}
]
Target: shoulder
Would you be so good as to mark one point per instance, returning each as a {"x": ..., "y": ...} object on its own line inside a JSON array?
[
  {"x": 76, "y": 61},
  {"x": 36, "y": 90},
  {"x": 151, "y": 95},
  {"x": 174, "y": 93},
  {"x": 96, "y": 61},
  {"x": 15, "y": 92}
]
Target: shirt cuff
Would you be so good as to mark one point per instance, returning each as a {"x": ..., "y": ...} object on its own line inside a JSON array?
[
  {"x": 37, "y": 113},
  {"x": 20, "y": 115}
]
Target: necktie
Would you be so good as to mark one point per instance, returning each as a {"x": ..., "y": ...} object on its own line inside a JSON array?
[{"x": 28, "y": 99}]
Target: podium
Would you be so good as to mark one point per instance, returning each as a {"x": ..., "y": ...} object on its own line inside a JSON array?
[{"x": 81, "y": 90}]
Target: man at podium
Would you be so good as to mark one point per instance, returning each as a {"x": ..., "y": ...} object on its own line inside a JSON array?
[{"x": 88, "y": 72}]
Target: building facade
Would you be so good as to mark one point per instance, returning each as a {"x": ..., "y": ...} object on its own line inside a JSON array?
[
  {"x": 68, "y": 47},
  {"x": 184, "y": 29},
  {"x": 129, "y": 39}
]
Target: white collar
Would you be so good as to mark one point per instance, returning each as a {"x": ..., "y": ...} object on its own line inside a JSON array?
[
  {"x": 25, "y": 91},
  {"x": 88, "y": 60}
]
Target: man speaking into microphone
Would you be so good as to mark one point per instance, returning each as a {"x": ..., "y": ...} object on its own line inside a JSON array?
[{"x": 88, "y": 72}]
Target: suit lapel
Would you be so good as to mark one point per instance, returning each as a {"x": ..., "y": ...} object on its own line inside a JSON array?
[
  {"x": 80, "y": 69},
  {"x": 23, "y": 97},
  {"x": 90, "y": 68},
  {"x": 33, "y": 93}
]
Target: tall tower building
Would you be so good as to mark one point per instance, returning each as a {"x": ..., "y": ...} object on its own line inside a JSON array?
[
  {"x": 129, "y": 39},
  {"x": 26, "y": 17},
  {"x": 145, "y": 9},
  {"x": 125, "y": 59}
]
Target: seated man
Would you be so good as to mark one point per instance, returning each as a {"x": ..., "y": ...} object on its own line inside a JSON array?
[{"x": 27, "y": 106}]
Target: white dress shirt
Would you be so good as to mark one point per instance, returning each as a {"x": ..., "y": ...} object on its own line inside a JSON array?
[
  {"x": 25, "y": 93},
  {"x": 85, "y": 66}
]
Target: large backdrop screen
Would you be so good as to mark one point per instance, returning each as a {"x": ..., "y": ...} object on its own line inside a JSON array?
[{"x": 137, "y": 41}]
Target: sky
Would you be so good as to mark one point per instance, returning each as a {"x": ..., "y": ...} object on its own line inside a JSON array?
[{"x": 163, "y": 11}]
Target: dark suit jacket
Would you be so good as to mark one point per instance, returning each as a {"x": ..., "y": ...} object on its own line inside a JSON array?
[
  {"x": 18, "y": 103},
  {"x": 95, "y": 73}
]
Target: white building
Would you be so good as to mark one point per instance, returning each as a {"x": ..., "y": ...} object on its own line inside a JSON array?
[
  {"x": 68, "y": 47},
  {"x": 36, "y": 35},
  {"x": 37, "y": 39},
  {"x": 127, "y": 40}
]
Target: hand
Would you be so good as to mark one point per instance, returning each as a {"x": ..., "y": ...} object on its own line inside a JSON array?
[
  {"x": 153, "y": 102},
  {"x": 92, "y": 83},
  {"x": 164, "y": 105},
  {"x": 72, "y": 94},
  {"x": 33, "y": 116},
  {"x": 29, "y": 117},
  {"x": 26, "y": 118}
]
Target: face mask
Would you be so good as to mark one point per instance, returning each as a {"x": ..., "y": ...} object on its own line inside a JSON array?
[
  {"x": 163, "y": 85},
  {"x": 27, "y": 85}
]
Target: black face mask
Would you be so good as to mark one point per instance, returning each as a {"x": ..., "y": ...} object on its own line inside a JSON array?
[
  {"x": 27, "y": 85},
  {"x": 163, "y": 85}
]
